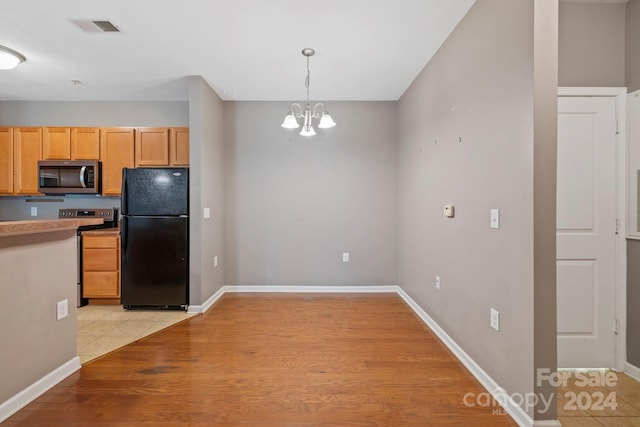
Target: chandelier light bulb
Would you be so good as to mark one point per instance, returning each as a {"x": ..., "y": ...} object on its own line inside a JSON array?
[
  {"x": 290, "y": 122},
  {"x": 307, "y": 131}
]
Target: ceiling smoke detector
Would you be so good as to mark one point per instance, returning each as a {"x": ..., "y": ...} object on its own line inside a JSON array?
[{"x": 94, "y": 26}]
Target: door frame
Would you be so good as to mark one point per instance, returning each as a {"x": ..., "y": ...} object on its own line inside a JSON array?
[{"x": 620, "y": 309}]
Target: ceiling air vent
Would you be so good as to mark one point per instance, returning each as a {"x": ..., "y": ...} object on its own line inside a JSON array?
[{"x": 97, "y": 26}]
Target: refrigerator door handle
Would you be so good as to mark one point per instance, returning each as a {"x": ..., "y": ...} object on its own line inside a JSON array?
[
  {"x": 124, "y": 196},
  {"x": 123, "y": 235}
]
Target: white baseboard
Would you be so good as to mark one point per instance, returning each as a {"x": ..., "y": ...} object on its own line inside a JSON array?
[
  {"x": 32, "y": 392},
  {"x": 632, "y": 371},
  {"x": 198, "y": 309},
  {"x": 314, "y": 289},
  {"x": 512, "y": 408}
]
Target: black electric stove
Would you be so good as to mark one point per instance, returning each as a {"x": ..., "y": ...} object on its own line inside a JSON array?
[{"x": 110, "y": 217}]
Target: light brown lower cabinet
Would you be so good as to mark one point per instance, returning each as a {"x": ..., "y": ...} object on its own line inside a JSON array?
[{"x": 101, "y": 267}]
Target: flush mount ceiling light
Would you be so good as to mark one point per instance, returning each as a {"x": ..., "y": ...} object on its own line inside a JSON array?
[
  {"x": 319, "y": 111},
  {"x": 9, "y": 58}
]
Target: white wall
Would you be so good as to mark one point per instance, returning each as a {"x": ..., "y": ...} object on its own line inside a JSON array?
[{"x": 295, "y": 204}]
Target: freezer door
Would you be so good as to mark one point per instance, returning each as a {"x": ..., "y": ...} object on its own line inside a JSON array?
[
  {"x": 155, "y": 262},
  {"x": 155, "y": 191}
]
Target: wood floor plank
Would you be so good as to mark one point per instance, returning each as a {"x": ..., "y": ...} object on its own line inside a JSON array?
[{"x": 285, "y": 360}]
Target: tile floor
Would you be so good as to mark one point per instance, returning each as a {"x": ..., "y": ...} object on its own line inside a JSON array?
[
  {"x": 104, "y": 328},
  {"x": 591, "y": 403}
]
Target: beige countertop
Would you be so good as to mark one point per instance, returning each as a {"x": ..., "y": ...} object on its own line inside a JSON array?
[{"x": 12, "y": 228}]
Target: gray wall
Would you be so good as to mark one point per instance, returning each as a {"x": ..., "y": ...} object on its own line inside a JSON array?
[
  {"x": 295, "y": 204},
  {"x": 633, "y": 45},
  {"x": 38, "y": 270},
  {"x": 206, "y": 186},
  {"x": 466, "y": 137},
  {"x": 591, "y": 44},
  {"x": 633, "y": 296},
  {"x": 633, "y": 246},
  {"x": 545, "y": 132},
  {"x": 81, "y": 113}
]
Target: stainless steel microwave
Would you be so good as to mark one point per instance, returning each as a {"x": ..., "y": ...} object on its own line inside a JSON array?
[{"x": 69, "y": 176}]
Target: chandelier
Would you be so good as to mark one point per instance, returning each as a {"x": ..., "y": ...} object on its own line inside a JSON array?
[{"x": 319, "y": 111}]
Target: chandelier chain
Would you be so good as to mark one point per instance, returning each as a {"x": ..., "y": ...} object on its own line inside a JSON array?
[{"x": 307, "y": 81}]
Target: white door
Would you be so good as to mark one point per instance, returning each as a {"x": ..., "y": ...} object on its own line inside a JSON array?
[{"x": 586, "y": 226}]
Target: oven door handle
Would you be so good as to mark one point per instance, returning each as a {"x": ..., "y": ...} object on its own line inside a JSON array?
[{"x": 83, "y": 170}]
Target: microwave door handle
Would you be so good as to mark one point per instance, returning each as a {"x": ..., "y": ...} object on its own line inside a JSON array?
[{"x": 83, "y": 169}]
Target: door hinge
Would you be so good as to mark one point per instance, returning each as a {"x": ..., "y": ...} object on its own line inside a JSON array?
[
  {"x": 617, "y": 128},
  {"x": 617, "y": 226},
  {"x": 617, "y": 327}
]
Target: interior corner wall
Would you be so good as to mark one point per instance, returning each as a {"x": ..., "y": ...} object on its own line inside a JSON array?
[
  {"x": 295, "y": 204},
  {"x": 466, "y": 138},
  {"x": 545, "y": 131},
  {"x": 206, "y": 191},
  {"x": 591, "y": 44},
  {"x": 633, "y": 45}
]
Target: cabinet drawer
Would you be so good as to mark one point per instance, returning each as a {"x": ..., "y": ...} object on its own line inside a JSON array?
[
  {"x": 98, "y": 284},
  {"x": 100, "y": 242},
  {"x": 100, "y": 259}
]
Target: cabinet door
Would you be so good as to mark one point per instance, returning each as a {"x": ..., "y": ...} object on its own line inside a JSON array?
[
  {"x": 56, "y": 143},
  {"x": 179, "y": 147},
  {"x": 85, "y": 143},
  {"x": 101, "y": 266},
  {"x": 27, "y": 150},
  {"x": 6, "y": 160},
  {"x": 116, "y": 152},
  {"x": 152, "y": 147}
]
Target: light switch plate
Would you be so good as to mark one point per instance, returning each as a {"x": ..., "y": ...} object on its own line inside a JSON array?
[
  {"x": 495, "y": 218},
  {"x": 62, "y": 309},
  {"x": 345, "y": 257},
  {"x": 495, "y": 319},
  {"x": 206, "y": 213}
]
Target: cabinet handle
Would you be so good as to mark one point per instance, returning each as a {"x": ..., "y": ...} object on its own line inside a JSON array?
[{"x": 82, "y": 172}]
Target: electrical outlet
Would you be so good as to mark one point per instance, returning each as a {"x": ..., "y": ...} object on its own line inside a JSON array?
[
  {"x": 62, "y": 309},
  {"x": 345, "y": 257},
  {"x": 495, "y": 319},
  {"x": 437, "y": 282},
  {"x": 34, "y": 211},
  {"x": 215, "y": 261}
]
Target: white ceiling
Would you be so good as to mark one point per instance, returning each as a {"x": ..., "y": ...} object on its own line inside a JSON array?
[{"x": 245, "y": 49}]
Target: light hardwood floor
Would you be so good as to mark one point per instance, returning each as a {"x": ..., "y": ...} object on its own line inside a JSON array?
[{"x": 274, "y": 360}]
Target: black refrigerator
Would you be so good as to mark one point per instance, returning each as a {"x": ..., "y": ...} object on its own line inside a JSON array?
[{"x": 155, "y": 238}]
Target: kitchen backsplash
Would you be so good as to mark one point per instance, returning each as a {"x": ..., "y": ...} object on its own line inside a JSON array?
[{"x": 19, "y": 208}]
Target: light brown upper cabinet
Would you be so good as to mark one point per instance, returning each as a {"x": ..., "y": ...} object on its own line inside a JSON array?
[
  {"x": 116, "y": 152},
  {"x": 56, "y": 143},
  {"x": 179, "y": 147},
  {"x": 85, "y": 143},
  {"x": 27, "y": 150},
  {"x": 6, "y": 160},
  {"x": 152, "y": 147}
]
